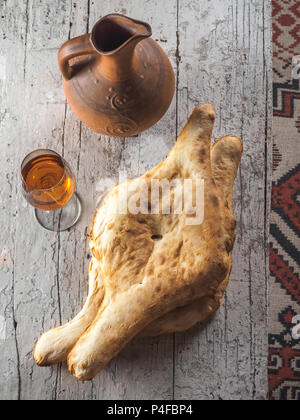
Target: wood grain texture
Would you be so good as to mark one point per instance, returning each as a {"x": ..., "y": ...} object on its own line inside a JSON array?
[
  {"x": 220, "y": 51},
  {"x": 231, "y": 57}
]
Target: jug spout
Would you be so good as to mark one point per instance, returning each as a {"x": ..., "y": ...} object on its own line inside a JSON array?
[
  {"x": 114, "y": 32},
  {"x": 115, "y": 37}
]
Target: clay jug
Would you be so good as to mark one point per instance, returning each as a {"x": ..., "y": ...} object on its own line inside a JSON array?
[{"x": 119, "y": 82}]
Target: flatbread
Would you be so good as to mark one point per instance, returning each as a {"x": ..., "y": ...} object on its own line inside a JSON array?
[{"x": 160, "y": 274}]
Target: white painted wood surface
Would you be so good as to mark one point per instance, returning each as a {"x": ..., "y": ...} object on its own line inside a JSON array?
[{"x": 221, "y": 52}]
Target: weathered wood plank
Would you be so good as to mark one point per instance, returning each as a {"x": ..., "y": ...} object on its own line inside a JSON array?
[
  {"x": 144, "y": 370},
  {"x": 12, "y": 35},
  {"x": 39, "y": 108},
  {"x": 226, "y": 62}
]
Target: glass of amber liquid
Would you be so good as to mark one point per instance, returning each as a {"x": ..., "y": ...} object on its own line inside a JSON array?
[{"x": 49, "y": 185}]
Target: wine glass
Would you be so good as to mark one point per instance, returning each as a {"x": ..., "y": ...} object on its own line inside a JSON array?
[{"x": 48, "y": 184}]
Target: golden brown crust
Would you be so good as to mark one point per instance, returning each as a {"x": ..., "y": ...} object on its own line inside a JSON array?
[
  {"x": 145, "y": 279},
  {"x": 225, "y": 158},
  {"x": 157, "y": 286}
]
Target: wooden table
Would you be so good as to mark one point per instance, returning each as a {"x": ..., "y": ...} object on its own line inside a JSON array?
[{"x": 221, "y": 53}]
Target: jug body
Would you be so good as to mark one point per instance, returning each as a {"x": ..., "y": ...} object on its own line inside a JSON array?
[{"x": 120, "y": 82}]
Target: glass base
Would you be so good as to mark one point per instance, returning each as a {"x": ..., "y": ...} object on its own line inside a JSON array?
[{"x": 61, "y": 219}]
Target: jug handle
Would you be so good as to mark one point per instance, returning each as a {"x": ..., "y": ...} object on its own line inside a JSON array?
[{"x": 75, "y": 47}]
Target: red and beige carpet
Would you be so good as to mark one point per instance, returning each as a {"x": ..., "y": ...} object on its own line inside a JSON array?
[{"x": 284, "y": 346}]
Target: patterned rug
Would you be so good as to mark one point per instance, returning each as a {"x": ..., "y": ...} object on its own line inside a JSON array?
[{"x": 284, "y": 335}]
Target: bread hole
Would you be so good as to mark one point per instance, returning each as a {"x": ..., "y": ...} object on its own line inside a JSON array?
[
  {"x": 142, "y": 221},
  {"x": 156, "y": 237}
]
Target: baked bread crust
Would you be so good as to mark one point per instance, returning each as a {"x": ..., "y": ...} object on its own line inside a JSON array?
[{"x": 151, "y": 286}]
